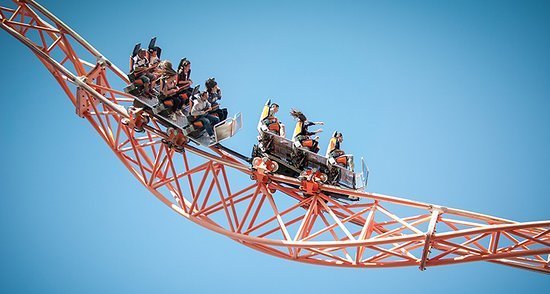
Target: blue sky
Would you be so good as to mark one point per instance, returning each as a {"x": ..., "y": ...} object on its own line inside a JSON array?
[{"x": 448, "y": 101}]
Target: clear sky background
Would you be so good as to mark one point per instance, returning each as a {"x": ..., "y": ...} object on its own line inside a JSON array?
[{"x": 449, "y": 102}]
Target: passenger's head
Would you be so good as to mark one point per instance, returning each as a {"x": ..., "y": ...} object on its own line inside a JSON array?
[
  {"x": 165, "y": 67},
  {"x": 274, "y": 108},
  {"x": 211, "y": 84},
  {"x": 184, "y": 66},
  {"x": 204, "y": 96},
  {"x": 155, "y": 51},
  {"x": 339, "y": 137},
  {"x": 141, "y": 53},
  {"x": 298, "y": 115},
  {"x": 166, "y": 64}
]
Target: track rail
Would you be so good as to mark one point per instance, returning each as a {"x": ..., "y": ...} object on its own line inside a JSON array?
[{"x": 268, "y": 212}]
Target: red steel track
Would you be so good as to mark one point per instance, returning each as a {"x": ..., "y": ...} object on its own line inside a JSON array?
[{"x": 267, "y": 212}]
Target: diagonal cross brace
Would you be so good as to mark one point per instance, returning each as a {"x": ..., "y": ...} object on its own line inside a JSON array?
[{"x": 428, "y": 240}]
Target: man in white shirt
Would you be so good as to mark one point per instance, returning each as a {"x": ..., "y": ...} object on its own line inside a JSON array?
[
  {"x": 154, "y": 56},
  {"x": 200, "y": 110}
]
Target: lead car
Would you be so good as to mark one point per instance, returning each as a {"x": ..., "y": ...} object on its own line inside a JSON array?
[{"x": 284, "y": 158}]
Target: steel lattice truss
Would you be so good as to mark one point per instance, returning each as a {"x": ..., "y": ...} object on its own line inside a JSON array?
[{"x": 268, "y": 212}]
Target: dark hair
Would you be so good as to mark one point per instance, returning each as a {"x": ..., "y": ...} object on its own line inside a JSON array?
[
  {"x": 183, "y": 62},
  {"x": 298, "y": 114},
  {"x": 210, "y": 83},
  {"x": 155, "y": 49}
]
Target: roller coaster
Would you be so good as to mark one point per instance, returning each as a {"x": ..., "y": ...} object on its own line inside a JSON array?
[{"x": 279, "y": 213}]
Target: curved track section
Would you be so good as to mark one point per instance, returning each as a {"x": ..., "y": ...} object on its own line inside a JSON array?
[{"x": 266, "y": 212}]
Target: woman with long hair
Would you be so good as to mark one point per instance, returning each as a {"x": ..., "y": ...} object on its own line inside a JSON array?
[{"x": 302, "y": 135}]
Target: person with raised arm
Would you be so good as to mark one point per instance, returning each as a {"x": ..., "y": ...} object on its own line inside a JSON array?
[
  {"x": 302, "y": 137},
  {"x": 214, "y": 95}
]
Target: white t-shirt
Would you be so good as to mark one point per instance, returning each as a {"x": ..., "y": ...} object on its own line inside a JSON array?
[
  {"x": 140, "y": 62},
  {"x": 199, "y": 107}
]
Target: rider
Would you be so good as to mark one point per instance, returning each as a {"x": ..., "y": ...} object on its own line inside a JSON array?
[
  {"x": 154, "y": 56},
  {"x": 215, "y": 94},
  {"x": 334, "y": 154},
  {"x": 154, "y": 52},
  {"x": 199, "y": 112},
  {"x": 184, "y": 81},
  {"x": 302, "y": 136},
  {"x": 271, "y": 123},
  {"x": 169, "y": 89},
  {"x": 140, "y": 70}
]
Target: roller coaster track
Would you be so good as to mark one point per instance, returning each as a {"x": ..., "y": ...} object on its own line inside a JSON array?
[{"x": 266, "y": 212}]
